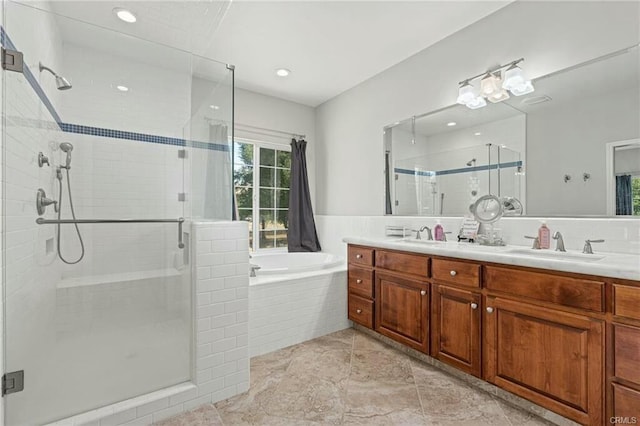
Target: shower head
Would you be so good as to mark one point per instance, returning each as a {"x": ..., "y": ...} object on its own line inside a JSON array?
[
  {"x": 61, "y": 82},
  {"x": 472, "y": 162},
  {"x": 67, "y": 147}
]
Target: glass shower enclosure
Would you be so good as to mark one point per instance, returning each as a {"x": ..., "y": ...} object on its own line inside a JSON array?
[{"x": 111, "y": 147}]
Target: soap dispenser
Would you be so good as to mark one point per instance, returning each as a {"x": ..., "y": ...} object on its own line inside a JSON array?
[
  {"x": 438, "y": 232},
  {"x": 544, "y": 236}
]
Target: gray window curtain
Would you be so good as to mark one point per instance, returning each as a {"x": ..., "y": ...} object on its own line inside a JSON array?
[
  {"x": 302, "y": 235},
  {"x": 624, "y": 199}
]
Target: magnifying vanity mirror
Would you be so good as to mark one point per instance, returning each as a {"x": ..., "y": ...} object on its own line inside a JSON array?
[{"x": 570, "y": 148}]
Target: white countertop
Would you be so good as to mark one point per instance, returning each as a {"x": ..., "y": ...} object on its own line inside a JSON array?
[{"x": 614, "y": 265}]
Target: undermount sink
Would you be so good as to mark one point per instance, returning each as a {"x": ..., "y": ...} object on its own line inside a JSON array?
[
  {"x": 558, "y": 255},
  {"x": 429, "y": 242}
]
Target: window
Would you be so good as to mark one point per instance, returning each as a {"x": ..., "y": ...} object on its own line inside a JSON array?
[
  {"x": 635, "y": 195},
  {"x": 267, "y": 168}
]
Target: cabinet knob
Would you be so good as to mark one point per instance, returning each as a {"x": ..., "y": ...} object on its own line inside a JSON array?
[
  {"x": 359, "y": 311},
  {"x": 474, "y": 306},
  {"x": 423, "y": 292},
  {"x": 490, "y": 309},
  {"x": 358, "y": 281},
  {"x": 453, "y": 273},
  {"x": 358, "y": 256}
]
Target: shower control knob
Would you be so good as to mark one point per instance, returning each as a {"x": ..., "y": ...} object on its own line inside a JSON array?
[
  {"x": 490, "y": 310},
  {"x": 42, "y": 160},
  {"x": 359, "y": 311},
  {"x": 474, "y": 306},
  {"x": 358, "y": 281},
  {"x": 453, "y": 273}
]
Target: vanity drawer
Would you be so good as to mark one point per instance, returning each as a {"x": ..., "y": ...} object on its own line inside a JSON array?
[
  {"x": 626, "y": 301},
  {"x": 361, "y": 281},
  {"x": 571, "y": 292},
  {"x": 360, "y": 255},
  {"x": 626, "y": 401},
  {"x": 456, "y": 272},
  {"x": 403, "y": 262},
  {"x": 361, "y": 310},
  {"x": 626, "y": 343}
]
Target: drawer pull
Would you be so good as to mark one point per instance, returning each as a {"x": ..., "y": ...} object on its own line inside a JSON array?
[
  {"x": 423, "y": 292},
  {"x": 358, "y": 281},
  {"x": 453, "y": 273},
  {"x": 474, "y": 306},
  {"x": 490, "y": 309},
  {"x": 358, "y": 256},
  {"x": 358, "y": 311}
]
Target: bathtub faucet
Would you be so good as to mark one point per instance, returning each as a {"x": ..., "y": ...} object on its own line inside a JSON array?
[{"x": 252, "y": 269}]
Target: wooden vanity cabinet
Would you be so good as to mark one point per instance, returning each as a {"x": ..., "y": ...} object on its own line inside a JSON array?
[
  {"x": 402, "y": 309},
  {"x": 455, "y": 327},
  {"x": 550, "y": 357},
  {"x": 624, "y": 373},
  {"x": 539, "y": 334},
  {"x": 361, "y": 307}
]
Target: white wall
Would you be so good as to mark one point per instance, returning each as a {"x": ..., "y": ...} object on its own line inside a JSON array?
[
  {"x": 264, "y": 111},
  {"x": 550, "y": 35}
]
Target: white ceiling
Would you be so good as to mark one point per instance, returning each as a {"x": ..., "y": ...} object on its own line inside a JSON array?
[{"x": 330, "y": 46}]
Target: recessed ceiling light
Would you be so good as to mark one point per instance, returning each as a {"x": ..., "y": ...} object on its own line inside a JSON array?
[
  {"x": 477, "y": 134},
  {"x": 451, "y": 123},
  {"x": 125, "y": 15},
  {"x": 214, "y": 107},
  {"x": 282, "y": 72},
  {"x": 122, "y": 88}
]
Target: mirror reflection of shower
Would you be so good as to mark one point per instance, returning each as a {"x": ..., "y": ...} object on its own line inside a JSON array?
[{"x": 66, "y": 147}]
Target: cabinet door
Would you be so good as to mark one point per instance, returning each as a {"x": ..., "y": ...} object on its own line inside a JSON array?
[
  {"x": 402, "y": 310},
  {"x": 552, "y": 358},
  {"x": 455, "y": 328}
]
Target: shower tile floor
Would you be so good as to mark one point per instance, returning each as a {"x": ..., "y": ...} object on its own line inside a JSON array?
[{"x": 349, "y": 378}]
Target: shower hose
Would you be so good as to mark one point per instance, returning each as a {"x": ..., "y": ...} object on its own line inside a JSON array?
[{"x": 73, "y": 214}]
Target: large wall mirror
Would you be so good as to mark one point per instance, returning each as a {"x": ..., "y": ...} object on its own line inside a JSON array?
[{"x": 570, "y": 148}]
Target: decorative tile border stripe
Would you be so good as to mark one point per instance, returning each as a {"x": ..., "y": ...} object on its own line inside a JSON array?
[
  {"x": 96, "y": 131},
  {"x": 31, "y": 79},
  {"x": 456, "y": 171}
]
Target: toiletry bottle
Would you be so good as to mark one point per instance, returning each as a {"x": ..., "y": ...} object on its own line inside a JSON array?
[
  {"x": 544, "y": 236},
  {"x": 438, "y": 232}
]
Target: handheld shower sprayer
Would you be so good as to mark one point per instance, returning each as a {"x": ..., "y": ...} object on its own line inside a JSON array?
[{"x": 67, "y": 147}]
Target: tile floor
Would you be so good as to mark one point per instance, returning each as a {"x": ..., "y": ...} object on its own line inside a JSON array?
[{"x": 349, "y": 378}]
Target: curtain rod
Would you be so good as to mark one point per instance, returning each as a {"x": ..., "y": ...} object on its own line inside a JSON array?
[{"x": 249, "y": 128}]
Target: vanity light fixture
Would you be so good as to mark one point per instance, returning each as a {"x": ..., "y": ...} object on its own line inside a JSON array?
[
  {"x": 495, "y": 86},
  {"x": 125, "y": 15}
]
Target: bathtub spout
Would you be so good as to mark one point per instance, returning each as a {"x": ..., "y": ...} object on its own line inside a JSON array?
[{"x": 252, "y": 270}]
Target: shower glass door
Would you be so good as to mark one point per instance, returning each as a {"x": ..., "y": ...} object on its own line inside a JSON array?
[{"x": 114, "y": 319}]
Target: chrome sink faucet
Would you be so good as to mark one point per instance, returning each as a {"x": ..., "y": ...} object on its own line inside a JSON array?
[
  {"x": 536, "y": 242},
  {"x": 587, "y": 246},
  {"x": 559, "y": 241},
  {"x": 424, "y": 228}
]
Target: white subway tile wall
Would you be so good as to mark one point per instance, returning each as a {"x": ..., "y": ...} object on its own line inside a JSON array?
[{"x": 296, "y": 310}]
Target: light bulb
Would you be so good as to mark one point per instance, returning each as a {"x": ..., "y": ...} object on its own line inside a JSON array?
[
  {"x": 478, "y": 102},
  {"x": 466, "y": 94},
  {"x": 523, "y": 89},
  {"x": 513, "y": 77},
  {"x": 489, "y": 85}
]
